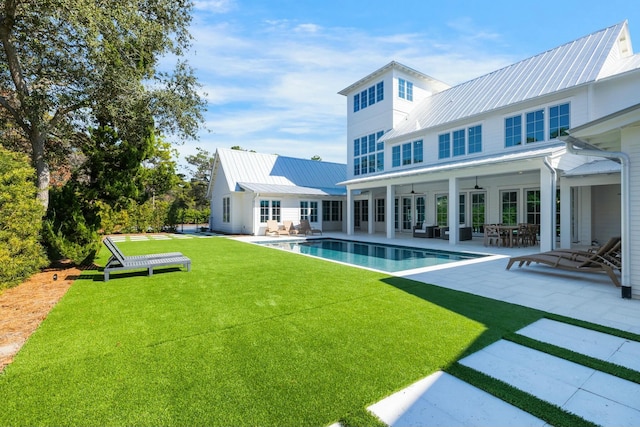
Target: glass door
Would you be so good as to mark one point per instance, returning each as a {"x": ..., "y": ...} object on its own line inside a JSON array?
[
  {"x": 478, "y": 208},
  {"x": 533, "y": 206},
  {"x": 406, "y": 214},
  {"x": 420, "y": 209},
  {"x": 356, "y": 214},
  {"x": 509, "y": 207},
  {"x": 442, "y": 210}
]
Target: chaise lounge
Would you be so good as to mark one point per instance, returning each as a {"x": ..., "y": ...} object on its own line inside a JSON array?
[
  {"x": 305, "y": 227},
  {"x": 119, "y": 262},
  {"x": 604, "y": 260},
  {"x": 273, "y": 229}
]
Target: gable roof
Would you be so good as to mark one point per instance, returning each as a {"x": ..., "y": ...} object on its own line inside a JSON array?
[
  {"x": 590, "y": 58},
  {"x": 273, "y": 174},
  {"x": 393, "y": 65}
]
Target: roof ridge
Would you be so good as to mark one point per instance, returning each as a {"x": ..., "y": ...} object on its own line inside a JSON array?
[
  {"x": 531, "y": 58},
  {"x": 568, "y": 65}
]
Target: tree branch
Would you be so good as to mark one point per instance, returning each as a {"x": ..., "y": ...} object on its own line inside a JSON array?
[
  {"x": 62, "y": 112},
  {"x": 13, "y": 61},
  {"x": 4, "y": 102}
]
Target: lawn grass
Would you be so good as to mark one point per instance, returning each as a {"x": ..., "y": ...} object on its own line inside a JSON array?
[{"x": 251, "y": 336}]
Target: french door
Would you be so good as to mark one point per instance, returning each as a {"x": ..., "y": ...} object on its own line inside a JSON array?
[{"x": 407, "y": 213}]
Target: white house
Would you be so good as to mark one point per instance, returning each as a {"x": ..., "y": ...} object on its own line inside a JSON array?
[
  {"x": 552, "y": 140},
  {"x": 247, "y": 189}
]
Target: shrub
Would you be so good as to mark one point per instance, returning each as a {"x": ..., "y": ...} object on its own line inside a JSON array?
[
  {"x": 71, "y": 228},
  {"x": 21, "y": 253}
]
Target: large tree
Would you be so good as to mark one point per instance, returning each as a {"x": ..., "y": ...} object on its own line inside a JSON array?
[{"x": 69, "y": 66}]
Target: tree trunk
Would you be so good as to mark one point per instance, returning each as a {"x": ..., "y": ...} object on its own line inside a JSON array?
[{"x": 43, "y": 175}]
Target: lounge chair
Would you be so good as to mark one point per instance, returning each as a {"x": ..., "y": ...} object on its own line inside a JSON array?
[
  {"x": 605, "y": 260},
  {"x": 291, "y": 230},
  {"x": 609, "y": 253},
  {"x": 273, "y": 229},
  {"x": 305, "y": 228},
  {"x": 118, "y": 261}
]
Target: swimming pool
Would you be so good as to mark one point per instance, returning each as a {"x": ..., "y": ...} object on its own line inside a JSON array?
[{"x": 378, "y": 256}]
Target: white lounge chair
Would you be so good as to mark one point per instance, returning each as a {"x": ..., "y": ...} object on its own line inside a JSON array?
[{"x": 118, "y": 261}]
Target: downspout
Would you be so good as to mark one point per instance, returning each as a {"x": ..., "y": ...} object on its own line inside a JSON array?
[
  {"x": 554, "y": 178},
  {"x": 623, "y": 159}
]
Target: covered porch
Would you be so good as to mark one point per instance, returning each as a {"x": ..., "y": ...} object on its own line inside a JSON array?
[{"x": 510, "y": 189}]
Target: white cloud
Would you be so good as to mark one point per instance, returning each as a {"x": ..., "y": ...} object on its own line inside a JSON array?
[
  {"x": 214, "y": 6},
  {"x": 272, "y": 86}
]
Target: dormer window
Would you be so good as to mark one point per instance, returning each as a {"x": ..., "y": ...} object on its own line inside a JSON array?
[{"x": 405, "y": 89}]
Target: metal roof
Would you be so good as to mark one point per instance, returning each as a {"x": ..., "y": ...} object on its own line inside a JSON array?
[
  {"x": 273, "y": 172},
  {"x": 581, "y": 61},
  {"x": 292, "y": 189},
  {"x": 596, "y": 167}
]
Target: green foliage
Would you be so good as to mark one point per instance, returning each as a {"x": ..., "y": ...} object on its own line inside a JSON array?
[
  {"x": 71, "y": 227},
  {"x": 159, "y": 171},
  {"x": 113, "y": 166},
  {"x": 21, "y": 254},
  {"x": 201, "y": 164},
  {"x": 68, "y": 65},
  {"x": 150, "y": 216}
]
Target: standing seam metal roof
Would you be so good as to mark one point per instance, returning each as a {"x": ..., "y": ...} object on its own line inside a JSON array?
[
  {"x": 575, "y": 63},
  {"x": 272, "y": 170}
]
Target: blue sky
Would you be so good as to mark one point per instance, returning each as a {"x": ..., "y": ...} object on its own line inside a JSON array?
[{"x": 272, "y": 70}]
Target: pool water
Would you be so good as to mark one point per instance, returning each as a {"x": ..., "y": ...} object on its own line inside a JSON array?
[{"x": 378, "y": 256}]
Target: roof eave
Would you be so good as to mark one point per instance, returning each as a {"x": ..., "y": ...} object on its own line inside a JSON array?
[
  {"x": 384, "y": 69},
  {"x": 468, "y": 163}
]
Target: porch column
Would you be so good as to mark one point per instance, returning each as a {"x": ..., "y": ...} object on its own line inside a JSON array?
[
  {"x": 371, "y": 213},
  {"x": 454, "y": 211},
  {"x": 349, "y": 211},
  {"x": 390, "y": 211},
  {"x": 566, "y": 213},
  {"x": 547, "y": 210}
]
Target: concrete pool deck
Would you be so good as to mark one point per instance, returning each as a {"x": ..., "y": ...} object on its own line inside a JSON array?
[{"x": 441, "y": 399}]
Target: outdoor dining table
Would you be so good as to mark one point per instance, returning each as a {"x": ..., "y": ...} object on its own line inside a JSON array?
[{"x": 509, "y": 231}]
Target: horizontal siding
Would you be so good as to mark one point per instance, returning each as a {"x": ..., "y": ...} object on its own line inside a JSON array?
[{"x": 631, "y": 145}]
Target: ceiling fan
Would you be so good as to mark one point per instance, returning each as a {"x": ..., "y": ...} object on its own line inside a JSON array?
[{"x": 477, "y": 187}]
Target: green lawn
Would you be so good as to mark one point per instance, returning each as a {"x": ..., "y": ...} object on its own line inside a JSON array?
[{"x": 251, "y": 336}]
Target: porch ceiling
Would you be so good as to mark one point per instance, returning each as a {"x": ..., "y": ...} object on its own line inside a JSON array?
[{"x": 604, "y": 133}]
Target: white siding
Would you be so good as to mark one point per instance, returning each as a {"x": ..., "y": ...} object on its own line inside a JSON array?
[
  {"x": 631, "y": 145},
  {"x": 605, "y": 205}
]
